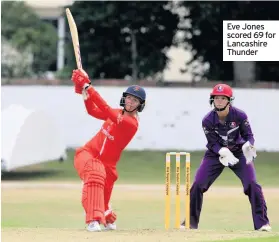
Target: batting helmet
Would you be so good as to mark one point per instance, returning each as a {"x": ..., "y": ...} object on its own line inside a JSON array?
[{"x": 137, "y": 92}]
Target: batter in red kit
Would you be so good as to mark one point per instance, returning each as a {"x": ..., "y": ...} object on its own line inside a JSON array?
[{"x": 96, "y": 161}]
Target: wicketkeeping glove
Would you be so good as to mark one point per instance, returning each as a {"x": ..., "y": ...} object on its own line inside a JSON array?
[
  {"x": 226, "y": 157},
  {"x": 249, "y": 152}
]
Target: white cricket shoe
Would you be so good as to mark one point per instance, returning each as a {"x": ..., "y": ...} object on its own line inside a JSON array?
[
  {"x": 266, "y": 228},
  {"x": 94, "y": 226},
  {"x": 110, "y": 226}
]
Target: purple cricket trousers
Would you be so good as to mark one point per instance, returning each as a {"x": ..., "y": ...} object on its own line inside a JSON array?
[{"x": 209, "y": 171}]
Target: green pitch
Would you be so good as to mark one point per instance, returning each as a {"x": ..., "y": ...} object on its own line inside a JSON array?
[{"x": 42, "y": 203}]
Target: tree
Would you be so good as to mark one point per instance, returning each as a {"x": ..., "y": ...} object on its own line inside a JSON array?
[
  {"x": 25, "y": 31},
  {"x": 204, "y": 35},
  {"x": 14, "y": 63},
  {"x": 124, "y": 38}
]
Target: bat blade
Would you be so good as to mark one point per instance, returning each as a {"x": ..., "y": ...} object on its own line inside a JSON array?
[{"x": 75, "y": 38}]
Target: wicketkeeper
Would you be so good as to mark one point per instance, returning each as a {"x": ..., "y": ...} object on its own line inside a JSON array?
[
  {"x": 96, "y": 161},
  {"x": 230, "y": 144}
]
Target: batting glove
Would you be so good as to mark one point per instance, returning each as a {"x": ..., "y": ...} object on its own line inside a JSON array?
[
  {"x": 249, "y": 152},
  {"x": 227, "y": 158},
  {"x": 78, "y": 89},
  {"x": 81, "y": 80}
]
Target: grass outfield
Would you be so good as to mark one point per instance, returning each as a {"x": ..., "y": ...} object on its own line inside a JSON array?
[
  {"x": 148, "y": 167},
  {"x": 54, "y": 213},
  {"x": 269, "y": 239},
  {"x": 42, "y": 203}
]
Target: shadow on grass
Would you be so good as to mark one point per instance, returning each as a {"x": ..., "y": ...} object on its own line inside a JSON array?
[{"x": 30, "y": 175}]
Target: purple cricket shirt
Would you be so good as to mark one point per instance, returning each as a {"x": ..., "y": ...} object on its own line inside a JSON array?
[{"x": 232, "y": 134}]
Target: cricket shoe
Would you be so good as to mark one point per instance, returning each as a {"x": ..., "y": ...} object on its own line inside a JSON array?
[
  {"x": 94, "y": 226},
  {"x": 110, "y": 226},
  {"x": 182, "y": 226},
  {"x": 266, "y": 228},
  {"x": 110, "y": 217}
]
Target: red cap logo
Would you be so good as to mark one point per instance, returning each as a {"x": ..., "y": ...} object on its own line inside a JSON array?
[{"x": 136, "y": 88}]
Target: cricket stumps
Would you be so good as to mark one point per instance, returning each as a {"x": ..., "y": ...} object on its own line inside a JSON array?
[{"x": 177, "y": 189}]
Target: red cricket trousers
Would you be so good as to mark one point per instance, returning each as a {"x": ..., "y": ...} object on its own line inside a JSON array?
[{"x": 98, "y": 181}]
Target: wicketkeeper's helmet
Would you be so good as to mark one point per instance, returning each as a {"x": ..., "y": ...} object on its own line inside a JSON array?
[{"x": 221, "y": 90}]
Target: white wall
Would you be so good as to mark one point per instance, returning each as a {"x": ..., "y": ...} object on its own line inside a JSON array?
[{"x": 171, "y": 119}]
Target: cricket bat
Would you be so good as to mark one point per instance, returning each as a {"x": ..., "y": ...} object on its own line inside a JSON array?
[{"x": 75, "y": 39}]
